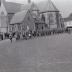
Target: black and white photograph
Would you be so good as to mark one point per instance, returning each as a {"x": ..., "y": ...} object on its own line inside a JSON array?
[{"x": 35, "y": 35}]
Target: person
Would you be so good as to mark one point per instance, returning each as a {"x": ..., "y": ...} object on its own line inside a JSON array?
[{"x": 10, "y": 38}]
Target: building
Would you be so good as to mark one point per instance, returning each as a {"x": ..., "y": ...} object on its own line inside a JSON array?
[
  {"x": 7, "y": 10},
  {"x": 45, "y": 16},
  {"x": 22, "y": 22},
  {"x": 40, "y": 25},
  {"x": 47, "y": 12},
  {"x": 51, "y": 14},
  {"x": 68, "y": 22}
]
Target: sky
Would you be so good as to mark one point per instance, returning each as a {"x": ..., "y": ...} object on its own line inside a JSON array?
[{"x": 64, "y": 6}]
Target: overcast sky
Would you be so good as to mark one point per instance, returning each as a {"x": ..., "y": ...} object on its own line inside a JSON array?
[{"x": 65, "y": 6}]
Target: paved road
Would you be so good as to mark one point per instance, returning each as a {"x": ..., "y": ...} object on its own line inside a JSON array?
[{"x": 47, "y": 54}]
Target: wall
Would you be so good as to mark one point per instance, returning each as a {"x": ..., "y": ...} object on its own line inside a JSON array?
[
  {"x": 10, "y": 15},
  {"x": 68, "y": 23},
  {"x": 50, "y": 19},
  {"x": 4, "y": 23},
  {"x": 4, "y": 30},
  {"x": 29, "y": 21},
  {"x": 3, "y": 18}
]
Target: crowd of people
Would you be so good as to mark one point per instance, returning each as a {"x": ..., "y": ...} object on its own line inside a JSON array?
[{"x": 30, "y": 34}]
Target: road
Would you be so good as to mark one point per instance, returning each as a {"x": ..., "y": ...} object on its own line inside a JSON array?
[{"x": 46, "y": 54}]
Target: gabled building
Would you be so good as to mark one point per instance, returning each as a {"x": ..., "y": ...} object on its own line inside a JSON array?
[
  {"x": 50, "y": 13},
  {"x": 40, "y": 25},
  {"x": 44, "y": 15},
  {"x": 11, "y": 8},
  {"x": 7, "y": 10},
  {"x": 32, "y": 7},
  {"x": 22, "y": 22},
  {"x": 3, "y": 18},
  {"x": 47, "y": 12}
]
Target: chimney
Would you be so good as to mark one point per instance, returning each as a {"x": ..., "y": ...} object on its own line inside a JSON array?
[{"x": 29, "y": 1}]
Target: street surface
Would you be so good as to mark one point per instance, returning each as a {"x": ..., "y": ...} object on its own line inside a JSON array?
[{"x": 45, "y": 54}]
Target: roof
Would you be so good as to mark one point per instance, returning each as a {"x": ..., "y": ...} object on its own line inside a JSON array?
[
  {"x": 68, "y": 18},
  {"x": 29, "y": 6},
  {"x": 34, "y": 6},
  {"x": 12, "y": 7},
  {"x": 42, "y": 6},
  {"x": 26, "y": 6},
  {"x": 47, "y": 6},
  {"x": 19, "y": 17}
]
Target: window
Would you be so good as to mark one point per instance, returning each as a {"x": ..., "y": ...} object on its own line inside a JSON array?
[
  {"x": 57, "y": 18},
  {"x": 12, "y": 28},
  {"x": 22, "y": 27},
  {"x": 2, "y": 13},
  {"x": 46, "y": 25},
  {"x": 15, "y": 26},
  {"x": 51, "y": 20},
  {"x": 43, "y": 18},
  {"x": 29, "y": 18},
  {"x": 19, "y": 27},
  {"x": 35, "y": 19},
  {"x": 42, "y": 27},
  {"x": 36, "y": 26},
  {"x": 34, "y": 15},
  {"x": 51, "y": 15}
]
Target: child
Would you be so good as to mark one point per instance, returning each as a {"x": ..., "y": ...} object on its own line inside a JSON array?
[{"x": 10, "y": 38}]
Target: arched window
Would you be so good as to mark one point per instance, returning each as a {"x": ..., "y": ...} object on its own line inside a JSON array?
[
  {"x": 57, "y": 17},
  {"x": 43, "y": 18},
  {"x": 51, "y": 20}
]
